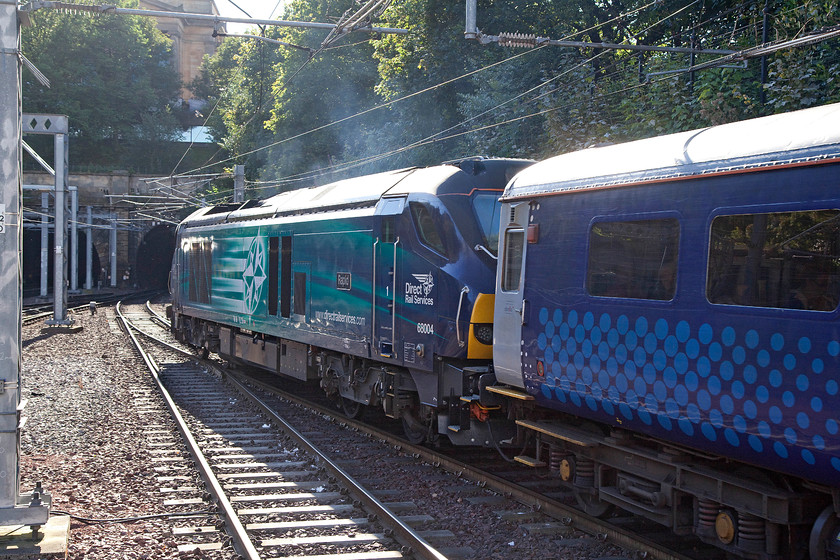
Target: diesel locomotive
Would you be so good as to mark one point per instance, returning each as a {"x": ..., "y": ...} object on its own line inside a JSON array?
[
  {"x": 671, "y": 335},
  {"x": 380, "y": 287}
]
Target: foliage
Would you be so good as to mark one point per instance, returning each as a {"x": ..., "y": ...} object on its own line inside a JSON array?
[{"x": 113, "y": 77}]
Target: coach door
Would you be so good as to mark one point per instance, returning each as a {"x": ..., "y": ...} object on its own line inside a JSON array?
[
  {"x": 385, "y": 261},
  {"x": 510, "y": 310}
]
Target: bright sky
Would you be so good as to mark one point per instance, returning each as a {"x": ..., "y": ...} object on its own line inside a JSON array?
[{"x": 258, "y": 9}]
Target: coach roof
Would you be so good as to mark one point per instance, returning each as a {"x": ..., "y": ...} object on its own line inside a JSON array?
[{"x": 809, "y": 134}]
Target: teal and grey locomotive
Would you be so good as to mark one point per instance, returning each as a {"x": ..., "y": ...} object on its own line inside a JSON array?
[{"x": 380, "y": 286}]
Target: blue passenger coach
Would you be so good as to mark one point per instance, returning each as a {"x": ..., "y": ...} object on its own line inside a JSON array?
[
  {"x": 675, "y": 301},
  {"x": 380, "y": 286}
]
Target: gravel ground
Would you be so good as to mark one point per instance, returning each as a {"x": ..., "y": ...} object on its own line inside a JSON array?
[{"x": 84, "y": 441}]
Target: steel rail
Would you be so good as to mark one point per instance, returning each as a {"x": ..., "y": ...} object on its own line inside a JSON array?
[{"x": 242, "y": 542}]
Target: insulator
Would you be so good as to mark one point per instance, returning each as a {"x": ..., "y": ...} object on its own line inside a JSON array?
[
  {"x": 707, "y": 511},
  {"x": 518, "y": 40}
]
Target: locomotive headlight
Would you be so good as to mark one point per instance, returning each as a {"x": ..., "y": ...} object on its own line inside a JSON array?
[{"x": 484, "y": 333}]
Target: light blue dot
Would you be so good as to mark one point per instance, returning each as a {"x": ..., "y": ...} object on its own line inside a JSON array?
[
  {"x": 738, "y": 390},
  {"x": 558, "y": 316},
  {"x": 639, "y": 356},
  {"x": 704, "y": 400},
  {"x": 790, "y": 435},
  {"x": 650, "y": 343},
  {"x": 763, "y": 358},
  {"x": 572, "y": 319},
  {"x": 631, "y": 340},
  {"x": 622, "y": 324},
  {"x": 644, "y": 416},
  {"x": 704, "y": 366},
  {"x": 625, "y": 411},
  {"x": 803, "y": 421},
  {"x": 546, "y": 391},
  {"x": 752, "y": 338},
  {"x": 565, "y": 384},
  {"x": 780, "y": 450},
  {"x": 802, "y": 382},
  {"x": 660, "y": 359},
  {"x": 681, "y": 395},
  {"x": 586, "y": 379},
  {"x": 715, "y": 351},
  {"x": 816, "y": 404},
  {"x": 621, "y": 353},
  {"x": 755, "y": 443},
  {"x": 739, "y": 355},
  {"x": 665, "y": 422},
  {"x": 692, "y": 411},
  {"x": 804, "y": 344},
  {"x": 728, "y": 336},
  {"x": 691, "y": 381},
  {"x": 683, "y": 331},
  {"x": 549, "y": 329},
  {"x": 660, "y": 390},
  {"x": 651, "y": 403},
  {"x": 692, "y": 348},
  {"x": 831, "y": 387},
  {"x": 556, "y": 344},
  {"x": 564, "y": 331},
  {"x": 716, "y": 418},
  {"x": 575, "y": 398},
  {"x": 608, "y": 407},
  {"x": 580, "y": 333},
  {"x": 727, "y": 371},
  {"x": 571, "y": 346},
  {"x": 588, "y": 320},
  {"x": 681, "y": 363},
  {"x": 632, "y": 399},
  {"x": 835, "y": 462},
  {"x": 708, "y": 431},
  {"x": 563, "y": 358},
  {"x": 543, "y": 316},
  {"x": 661, "y": 329},
  {"x": 640, "y": 386},
  {"x": 713, "y": 384},
  {"x": 686, "y": 426},
  {"x": 630, "y": 370},
  {"x": 831, "y": 426},
  {"x": 817, "y": 366},
  {"x": 762, "y": 393},
  {"x": 650, "y": 373},
  {"x": 671, "y": 346},
  {"x": 603, "y": 376},
  {"x": 775, "y": 414},
  {"x": 591, "y": 403},
  {"x": 670, "y": 377},
  {"x": 541, "y": 341},
  {"x": 621, "y": 383},
  {"x": 750, "y": 410},
  {"x": 605, "y": 322},
  {"x": 808, "y": 457},
  {"x": 731, "y": 437},
  {"x": 595, "y": 335},
  {"x": 612, "y": 367},
  {"x": 750, "y": 374},
  {"x": 777, "y": 342},
  {"x": 834, "y": 348},
  {"x": 790, "y": 362},
  {"x": 705, "y": 333},
  {"x": 586, "y": 348},
  {"x": 612, "y": 338},
  {"x": 739, "y": 423},
  {"x": 788, "y": 399},
  {"x": 641, "y": 326},
  {"x": 819, "y": 442},
  {"x": 549, "y": 354},
  {"x": 727, "y": 405},
  {"x": 764, "y": 429},
  {"x": 775, "y": 378},
  {"x": 561, "y": 396}
]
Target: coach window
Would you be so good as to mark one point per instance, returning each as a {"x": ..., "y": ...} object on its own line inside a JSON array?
[
  {"x": 427, "y": 228},
  {"x": 787, "y": 260},
  {"x": 633, "y": 259},
  {"x": 512, "y": 259}
]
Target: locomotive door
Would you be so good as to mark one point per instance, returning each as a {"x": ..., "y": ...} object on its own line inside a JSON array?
[
  {"x": 510, "y": 311},
  {"x": 385, "y": 263}
]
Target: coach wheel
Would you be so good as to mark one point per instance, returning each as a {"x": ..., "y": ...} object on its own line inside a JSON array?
[
  {"x": 414, "y": 431},
  {"x": 203, "y": 352},
  {"x": 352, "y": 409},
  {"x": 824, "y": 543},
  {"x": 592, "y": 505}
]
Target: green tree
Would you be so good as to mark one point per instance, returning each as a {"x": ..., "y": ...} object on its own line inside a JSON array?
[{"x": 113, "y": 77}]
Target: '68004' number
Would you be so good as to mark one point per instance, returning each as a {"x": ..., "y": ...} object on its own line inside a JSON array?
[{"x": 425, "y": 328}]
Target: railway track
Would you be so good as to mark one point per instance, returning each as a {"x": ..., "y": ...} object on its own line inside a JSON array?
[
  {"x": 278, "y": 495},
  {"x": 541, "y": 505}
]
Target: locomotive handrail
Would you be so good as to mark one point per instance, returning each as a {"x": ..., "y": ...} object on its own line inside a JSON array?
[
  {"x": 464, "y": 290},
  {"x": 394, "y": 302},
  {"x": 373, "y": 299}
]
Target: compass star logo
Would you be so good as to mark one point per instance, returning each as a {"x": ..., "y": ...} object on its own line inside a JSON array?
[
  {"x": 428, "y": 282},
  {"x": 254, "y": 274}
]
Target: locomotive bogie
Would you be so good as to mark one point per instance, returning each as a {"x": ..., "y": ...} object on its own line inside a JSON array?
[{"x": 682, "y": 293}]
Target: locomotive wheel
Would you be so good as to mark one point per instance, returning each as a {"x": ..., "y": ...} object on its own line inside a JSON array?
[
  {"x": 413, "y": 433},
  {"x": 826, "y": 529},
  {"x": 203, "y": 352},
  {"x": 352, "y": 409},
  {"x": 592, "y": 505}
]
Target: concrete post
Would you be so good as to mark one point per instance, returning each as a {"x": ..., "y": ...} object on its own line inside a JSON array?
[
  {"x": 89, "y": 250},
  {"x": 239, "y": 183},
  {"x": 45, "y": 241},
  {"x": 15, "y": 509},
  {"x": 60, "y": 234},
  {"x": 74, "y": 239},
  {"x": 112, "y": 250}
]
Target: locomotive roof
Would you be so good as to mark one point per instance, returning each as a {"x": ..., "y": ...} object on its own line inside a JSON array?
[
  {"x": 809, "y": 134},
  {"x": 358, "y": 192}
]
